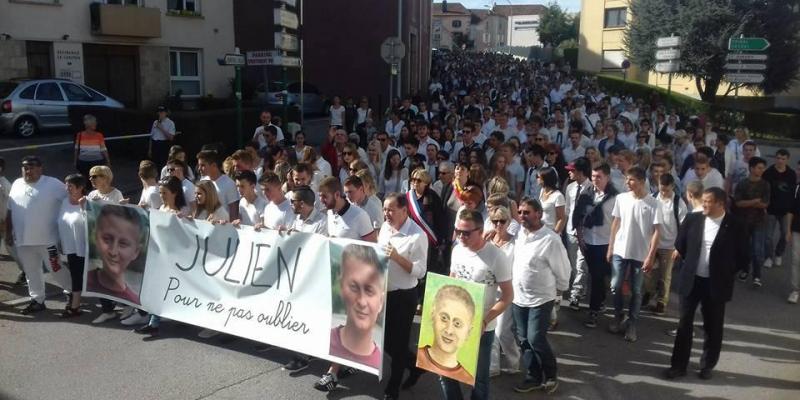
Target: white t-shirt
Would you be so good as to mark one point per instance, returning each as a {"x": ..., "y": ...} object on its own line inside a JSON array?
[
  {"x": 34, "y": 210},
  {"x": 315, "y": 223},
  {"x": 337, "y": 115},
  {"x": 188, "y": 191},
  {"x": 226, "y": 189},
  {"x": 323, "y": 167},
  {"x": 157, "y": 134},
  {"x": 250, "y": 213},
  {"x": 353, "y": 224},
  {"x": 114, "y": 196},
  {"x": 710, "y": 230},
  {"x": 5, "y": 187},
  {"x": 220, "y": 213},
  {"x": 278, "y": 215},
  {"x": 150, "y": 198},
  {"x": 489, "y": 266},
  {"x": 638, "y": 220},
  {"x": 668, "y": 231},
  {"x": 599, "y": 235},
  {"x": 374, "y": 209},
  {"x": 72, "y": 228},
  {"x": 549, "y": 205},
  {"x": 259, "y": 135}
]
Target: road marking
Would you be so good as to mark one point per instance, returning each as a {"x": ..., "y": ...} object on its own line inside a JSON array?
[{"x": 70, "y": 143}]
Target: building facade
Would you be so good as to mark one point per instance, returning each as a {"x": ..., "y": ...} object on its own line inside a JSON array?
[
  {"x": 601, "y": 50},
  {"x": 451, "y": 23},
  {"x": 523, "y": 22},
  {"x": 488, "y": 30},
  {"x": 136, "y": 51}
]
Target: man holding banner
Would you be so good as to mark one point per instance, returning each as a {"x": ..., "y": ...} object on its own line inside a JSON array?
[
  {"x": 476, "y": 260},
  {"x": 406, "y": 246},
  {"x": 541, "y": 266}
]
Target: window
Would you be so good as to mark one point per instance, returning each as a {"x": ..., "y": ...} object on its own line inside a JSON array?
[
  {"x": 456, "y": 23},
  {"x": 75, "y": 92},
  {"x": 532, "y": 22},
  {"x": 96, "y": 96},
  {"x": 183, "y": 5},
  {"x": 123, "y": 2},
  {"x": 39, "y": 59},
  {"x": 184, "y": 71},
  {"x": 612, "y": 59},
  {"x": 49, "y": 91},
  {"x": 487, "y": 38},
  {"x": 28, "y": 92},
  {"x": 614, "y": 18}
]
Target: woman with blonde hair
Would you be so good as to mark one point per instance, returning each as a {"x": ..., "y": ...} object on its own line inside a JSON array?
[
  {"x": 375, "y": 156},
  {"x": 209, "y": 207}
]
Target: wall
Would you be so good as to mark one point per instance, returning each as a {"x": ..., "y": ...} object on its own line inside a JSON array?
[
  {"x": 14, "y": 63},
  {"x": 153, "y": 75},
  {"x": 524, "y": 38}
]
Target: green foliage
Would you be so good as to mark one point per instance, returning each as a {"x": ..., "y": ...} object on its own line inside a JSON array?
[
  {"x": 555, "y": 26},
  {"x": 705, "y": 27}
]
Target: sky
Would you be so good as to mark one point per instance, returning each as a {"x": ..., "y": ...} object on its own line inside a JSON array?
[{"x": 570, "y": 5}]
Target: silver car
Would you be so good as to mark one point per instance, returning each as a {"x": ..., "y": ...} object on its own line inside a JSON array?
[
  {"x": 312, "y": 99},
  {"x": 28, "y": 106}
]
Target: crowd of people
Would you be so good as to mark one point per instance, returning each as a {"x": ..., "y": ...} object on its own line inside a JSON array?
[{"x": 514, "y": 174}]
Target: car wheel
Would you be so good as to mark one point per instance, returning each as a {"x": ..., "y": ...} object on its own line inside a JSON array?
[{"x": 25, "y": 127}]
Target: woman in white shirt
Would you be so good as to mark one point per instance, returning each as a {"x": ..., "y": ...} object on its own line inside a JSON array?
[
  {"x": 393, "y": 175},
  {"x": 505, "y": 351},
  {"x": 552, "y": 200},
  {"x": 299, "y": 144},
  {"x": 72, "y": 236},
  {"x": 208, "y": 205},
  {"x": 101, "y": 177},
  {"x": 336, "y": 112}
]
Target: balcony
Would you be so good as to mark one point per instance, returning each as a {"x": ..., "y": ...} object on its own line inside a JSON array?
[{"x": 121, "y": 20}]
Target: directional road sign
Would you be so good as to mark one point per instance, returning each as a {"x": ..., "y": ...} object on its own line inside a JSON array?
[
  {"x": 283, "y": 61},
  {"x": 746, "y": 57},
  {"x": 668, "y": 54},
  {"x": 668, "y": 67},
  {"x": 285, "y": 18},
  {"x": 671, "y": 41},
  {"x": 286, "y": 41},
  {"x": 261, "y": 57},
  {"x": 748, "y": 67},
  {"x": 748, "y": 44},
  {"x": 744, "y": 78},
  {"x": 234, "y": 59}
]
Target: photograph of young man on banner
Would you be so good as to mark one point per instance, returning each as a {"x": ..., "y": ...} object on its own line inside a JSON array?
[
  {"x": 117, "y": 240},
  {"x": 358, "y": 292},
  {"x": 450, "y": 329}
]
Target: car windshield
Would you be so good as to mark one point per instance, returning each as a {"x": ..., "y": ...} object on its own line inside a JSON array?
[{"x": 6, "y": 88}]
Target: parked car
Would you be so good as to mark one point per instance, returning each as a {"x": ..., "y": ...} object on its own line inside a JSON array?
[
  {"x": 28, "y": 106},
  {"x": 312, "y": 99}
]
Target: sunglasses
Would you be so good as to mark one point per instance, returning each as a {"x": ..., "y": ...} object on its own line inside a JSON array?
[
  {"x": 539, "y": 139},
  {"x": 347, "y": 153},
  {"x": 499, "y": 221},
  {"x": 460, "y": 232}
]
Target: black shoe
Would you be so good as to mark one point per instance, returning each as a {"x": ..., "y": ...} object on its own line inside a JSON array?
[
  {"x": 146, "y": 329},
  {"x": 674, "y": 373},
  {"x": 574, "y": 305},
  {"x": 21, "y": 279},
  {"x": 743, "y": 276},
  {"x": 704, "y": 373},
  {"x": 70, "y": 312},
  {"x": 297, "y": 364},
  {"x": 413, "y": 377},
  {"x": 345, "y": 372},
  {"x": 33, "y": 307},
  {"x": 390, "y": 396}
]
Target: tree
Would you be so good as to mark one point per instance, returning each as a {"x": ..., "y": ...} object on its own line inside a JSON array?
[
  {"x": 705, "y": 27},
  {"x": 556, "y": 26}
]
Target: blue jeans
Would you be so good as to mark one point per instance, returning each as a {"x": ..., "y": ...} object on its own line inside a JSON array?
[
  {"x": 619, "y": 268},
  {"x": 757, "y": 238},
  {"x": 451, "y": 389},
  {"x": 537, "y": 356}
]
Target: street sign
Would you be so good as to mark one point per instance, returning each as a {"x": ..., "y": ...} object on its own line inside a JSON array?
[
  {"x": 748, "y": 67},
  {"x": 234, "y": 59},
  {"x": 283, "y": 61},
  {"x": 285, "y": 18},
  {"x": 286, "y": 41},
  {"x": 393, "y": 50},
  {"x": 668, "y": 54},
  {"x": 746, "y": 57},
  {"x": 671, "y": 41},
  {"x": 260, "y": 57},
  {"x": 744, "y": 78},
  {"x": 668, "y": 67},
  {"x": 748, "y": 44}
]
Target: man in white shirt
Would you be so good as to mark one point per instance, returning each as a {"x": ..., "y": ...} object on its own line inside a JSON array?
[
  {"x": 423, "y": 130},
  {"x": 356, "y": 194},
  {"x": 704, "y": 172},
  {"x": 540, "y": 270},
  {"x": 162, "y": 133},
  {"x": 344, "y": 219},
  {"x": 574, "y": 150},
  {"x": 579, "y": 172},
  {"x": 33, "y": 207},
  {"x": 250, "y": 206},
  {"x": 394, "y": 125},
  {"x": 632, "y": 248},
  {"x": 558, "y": 133},
  {"x": 476, "y": 260},
  {"x": 208, "y": 164},
  {"x": 307, "y": 218},
  {"x": 534, "y": 157},
  {"x": 260, "y": 133},
  {"x": 406, "y": 246},
  {"x": 278, "y": 212},
  {"x": 467, "y": 142}
]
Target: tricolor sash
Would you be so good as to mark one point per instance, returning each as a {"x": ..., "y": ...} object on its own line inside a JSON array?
[{"x": 415, "y": 212}]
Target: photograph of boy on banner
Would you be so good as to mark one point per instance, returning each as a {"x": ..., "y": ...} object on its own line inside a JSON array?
[
  {"x": 450, "y": 328},
  {"x": 117, "y": 240},
  {"x": 358, "y": 301}
]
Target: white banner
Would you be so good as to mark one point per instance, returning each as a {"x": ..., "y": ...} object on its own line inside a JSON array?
[{"x": 291, "y": 291}]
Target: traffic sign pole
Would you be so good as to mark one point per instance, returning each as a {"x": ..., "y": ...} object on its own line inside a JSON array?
[{"x": 239, "y": 118}]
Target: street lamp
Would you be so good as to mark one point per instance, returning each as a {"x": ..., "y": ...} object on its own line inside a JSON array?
[{"x": 511, "y": 25}]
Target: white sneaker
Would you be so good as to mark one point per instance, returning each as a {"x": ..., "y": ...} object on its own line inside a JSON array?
[
  {"x": 136, "y": 319},
  {"x": 127, "y": 311},
  {"x": 207, "y": 333},
  {"x": 778, "y": 261},
  {"x": 793, "y": 297},
  {"x": 768, "y": 263},
  {"x": 104, "y": 317}
]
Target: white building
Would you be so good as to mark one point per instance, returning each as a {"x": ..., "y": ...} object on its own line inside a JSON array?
[
  {"x": 136, "y": 51},
  {"x": 523, "y": 20}
]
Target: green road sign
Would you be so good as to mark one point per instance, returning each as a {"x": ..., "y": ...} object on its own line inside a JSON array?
[{"x": 748, "y": 44}]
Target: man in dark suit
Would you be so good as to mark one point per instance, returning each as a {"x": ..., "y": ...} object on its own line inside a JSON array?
[{"x": 713, "y": 246}]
